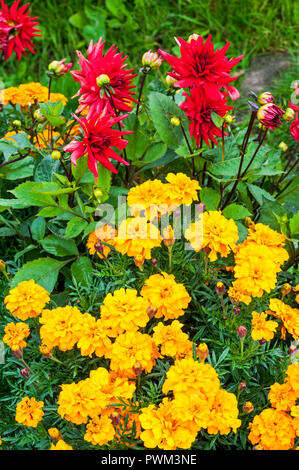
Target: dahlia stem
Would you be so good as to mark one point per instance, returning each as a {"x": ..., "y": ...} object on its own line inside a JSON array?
[
  {"x": 222, "y": 138},
  {"x": 289, "y": 171},
  {"x": 288, "y": 184},
  {"x": 140, "y": 91},
  {"x": 13, "y": 161}
]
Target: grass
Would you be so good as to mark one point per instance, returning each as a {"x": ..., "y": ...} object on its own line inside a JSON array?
[{"x": 252, "y": 27}]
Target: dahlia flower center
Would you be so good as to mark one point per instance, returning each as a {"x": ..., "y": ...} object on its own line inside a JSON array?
[
  {"x": 102, "y": 80},
  {"x": 201, "y": 63}
]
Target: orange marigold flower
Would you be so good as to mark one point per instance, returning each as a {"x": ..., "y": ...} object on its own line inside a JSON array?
[
  {"x": 27, "y": 300},
  {"x": 106, "y": 234},
  {"x": 181, "y": 189},
  {"x": 282, "y": 397},
  {"x": 99, "y": 430},
  {"x": 29, "y": 412},
  {"x": 15, "y": 334},
  {"x": 92, "y": 337},
  {"x": 261, "y": 328},
  {"x": 150, "y": 193},
  {"x": 61, "y": 327},
  {"x": 288, "y": 315},
  {"x": 273, "y": 430},
  {"x": 61, "y": 445},
  {"x": 224, "y": 414},
  {"x": 172, "y": 340},
  {"x": 166, "y": 295}
]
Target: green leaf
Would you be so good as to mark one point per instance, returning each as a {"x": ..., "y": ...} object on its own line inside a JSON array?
[
  {"x": 58, "y": 246},
  {"x": 294, "y": 224},
  {"x": 50, "y": 212},
  {"x": 21, "y": 169},
  {"x": 260, "y": 194},
  {"x": 163, "y": 108},
  {"x": 45, "y": 169},
  {"x": 75, "y": 226},
  {"x": 210, "y": 198},
  {"x": 81, "y": 271},
  {"x": 38, "y": 228},
  {"x": 217, "y": 120},
  {"x": 13, "y": 203},
  {"x": 236, "y": 212},
  {"x": 169, "y": 157},
  {"x": 44, "y": 271},
  {"x": 25, "y": 193}
]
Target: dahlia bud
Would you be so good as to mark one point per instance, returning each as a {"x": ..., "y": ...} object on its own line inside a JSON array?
[
  {"x": 151, "y": 311},
  {"x": 193, "y": 37},
  {"x": 152, "y": 60},
  {"x": 202, "y": 352},
  {"x": 236, "y": 310},
  {"x": 170, "y": 81},
  {"x": 265, "y": 98},
  {"x": 269, "y": 115},
  {"x": 16, "y": 123},
  {"x": 138, "y": 368},
  {"x": 102, "y": 79},
  {"x": 18, "y": 353},
  {"x": 289, "y": 114},
  {"x": 248, "y": 407},
  {"x": 39, "y": 116},
  {"x": 98, "y": 193},
  {"x": 242, "y": 386},
  {"x": 241, "y": 331},
  {"x": 220, "y": 288},
  {"x": 2, "y": 265},
  {"x": 228, "y": 118},
  {"x": 25, "y": 373},
  {"x": 283, "y": 146},
  {"x": 175, "y": 121},
  {"x": 56, "y": 155},
  {"x": 58, "y": 68},
  {"x": 115, "y": 418}
]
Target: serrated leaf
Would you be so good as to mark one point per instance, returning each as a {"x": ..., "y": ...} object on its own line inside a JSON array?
[
  {"x": 44, "y": 271},
  {"x": 210, "y": 198},
  {"x": 38, "y": 228},
  {"x": 58, "y": 246},
  {"x": 236, "y": 212},
  {"x": 81, "y": 271},
  {"x": 75, "y": 226}
]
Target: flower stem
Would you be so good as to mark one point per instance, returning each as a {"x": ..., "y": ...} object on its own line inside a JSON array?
[{"x": 140, "y": 91}]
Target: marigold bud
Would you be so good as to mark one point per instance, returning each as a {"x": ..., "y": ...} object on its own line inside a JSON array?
[
  {"x": 242, "y": 386},
  {"x": 168, "y": 237},
  {"x": 138, "y": 368},
  {"x": 269, "y": 115},
  {"x": 241, "y": 331},
  {"x": 175, "y": 121},
  {"x": 154, "y": 261},
  {"x": 102, "y": 79},
  {"x": 151, "y": 311},
  {"x": 56, "y": 155},
  {"x": 152, "y": 59},
  {"x": 202, "y": 351},
  {"x": 289, "y": 114},
  {"x": 18, "y": 353},
  {"x": 286, "y": 289},
  {"x": 220, "y": 288},
  {"x": 262, "y": 341},
  {"x": 236, "y": 310},
  {"x": 99, "y": 247},
  {"x": 2, "y": 265},
  {"x": 283, "y": 146},
  {"x": 115, "y": 418},
  {"x": 139, "y": 260},
  {"x": 55, "y": 434},
  {"x": 248, "y": 407},
  {"x": 45, "y": 350},
  {"x": 25, "y": 373},
  {"x": 265, "y": 98},
  {"x": 247, "y": 221}
]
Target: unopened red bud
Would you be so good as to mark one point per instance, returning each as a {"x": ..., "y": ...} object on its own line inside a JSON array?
[
  {"x": 151, "y": 311},
  {"x": 25, "y": 373},
  {"x": 154, "y": 261},
  {"x": 115, "y": 418},
  {"x": 18, "y": 353},
  {"x": 242, "y": 386},
  {"x": 138, "y": 368},
  {"x": 241, "y": 331},
  {"x": 265, "y": 98},
  {"x": 152, "y": 60},
  {"x": 220, "y": 288},
  {"x": 236, "y": 310},
  {"x": 262, "y": 341},
  {"x": 248, "y": 407}
]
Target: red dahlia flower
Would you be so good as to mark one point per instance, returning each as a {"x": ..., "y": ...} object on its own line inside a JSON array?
[
  {"x": 98, "y": 138},
  {"x": 198, "y": 108},
  {"x": 19, "y": 29},
  {"x": 200, "y": 65},
  {"x": 97, "y": 92},
  {"x": 294, "y": 128}
]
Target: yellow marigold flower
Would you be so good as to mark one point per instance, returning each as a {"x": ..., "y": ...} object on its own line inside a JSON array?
[
  {"x": 33, "y": 91},
  {"x": 282, "y": 397},
  {"x": 286, "y": 289},
  {"x": 288, "y": 315},
  {"x": 29, "y": 412},
  {"x": 54, "y": 97},
  {"x": 99, "y": 431},
  {"x": 224, "y": 414},
  {"x": 173, "y": 341},
  {"x": 273, "y": 430},
  {"x": 166, "y": 295},
  {"x": 293, "y": 377},
  {"x": 123, "y": 311},
  {"x": 15, "y": 334},
  {"x": 261, "y": 328},
  {"x": 150, "y": 193},
  {"x": 92, "y": 337},
  {"x": 45, "y": 350},
  {"x": 61, "y": 327},
  {"x": 162, "y": 429},
  {"x": 248, "y": 407},
  {"x": 188, "y": 377},
  {"x": 106, "y": 234},
  {"x": 181, "y": 189},
  {"x": 136, "y": 236},
  {"x": 27, "y": 300},
  {"x": 61, "y": 445},
  {"x": 131, "y": 348},
  {"x": 220, "y": 235},
  {"x": 235, "y": 293},
  {"x": 11, "y": 95},
  {"x": 263, "y": 235},
  {"x": 295, "y": 415}
]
